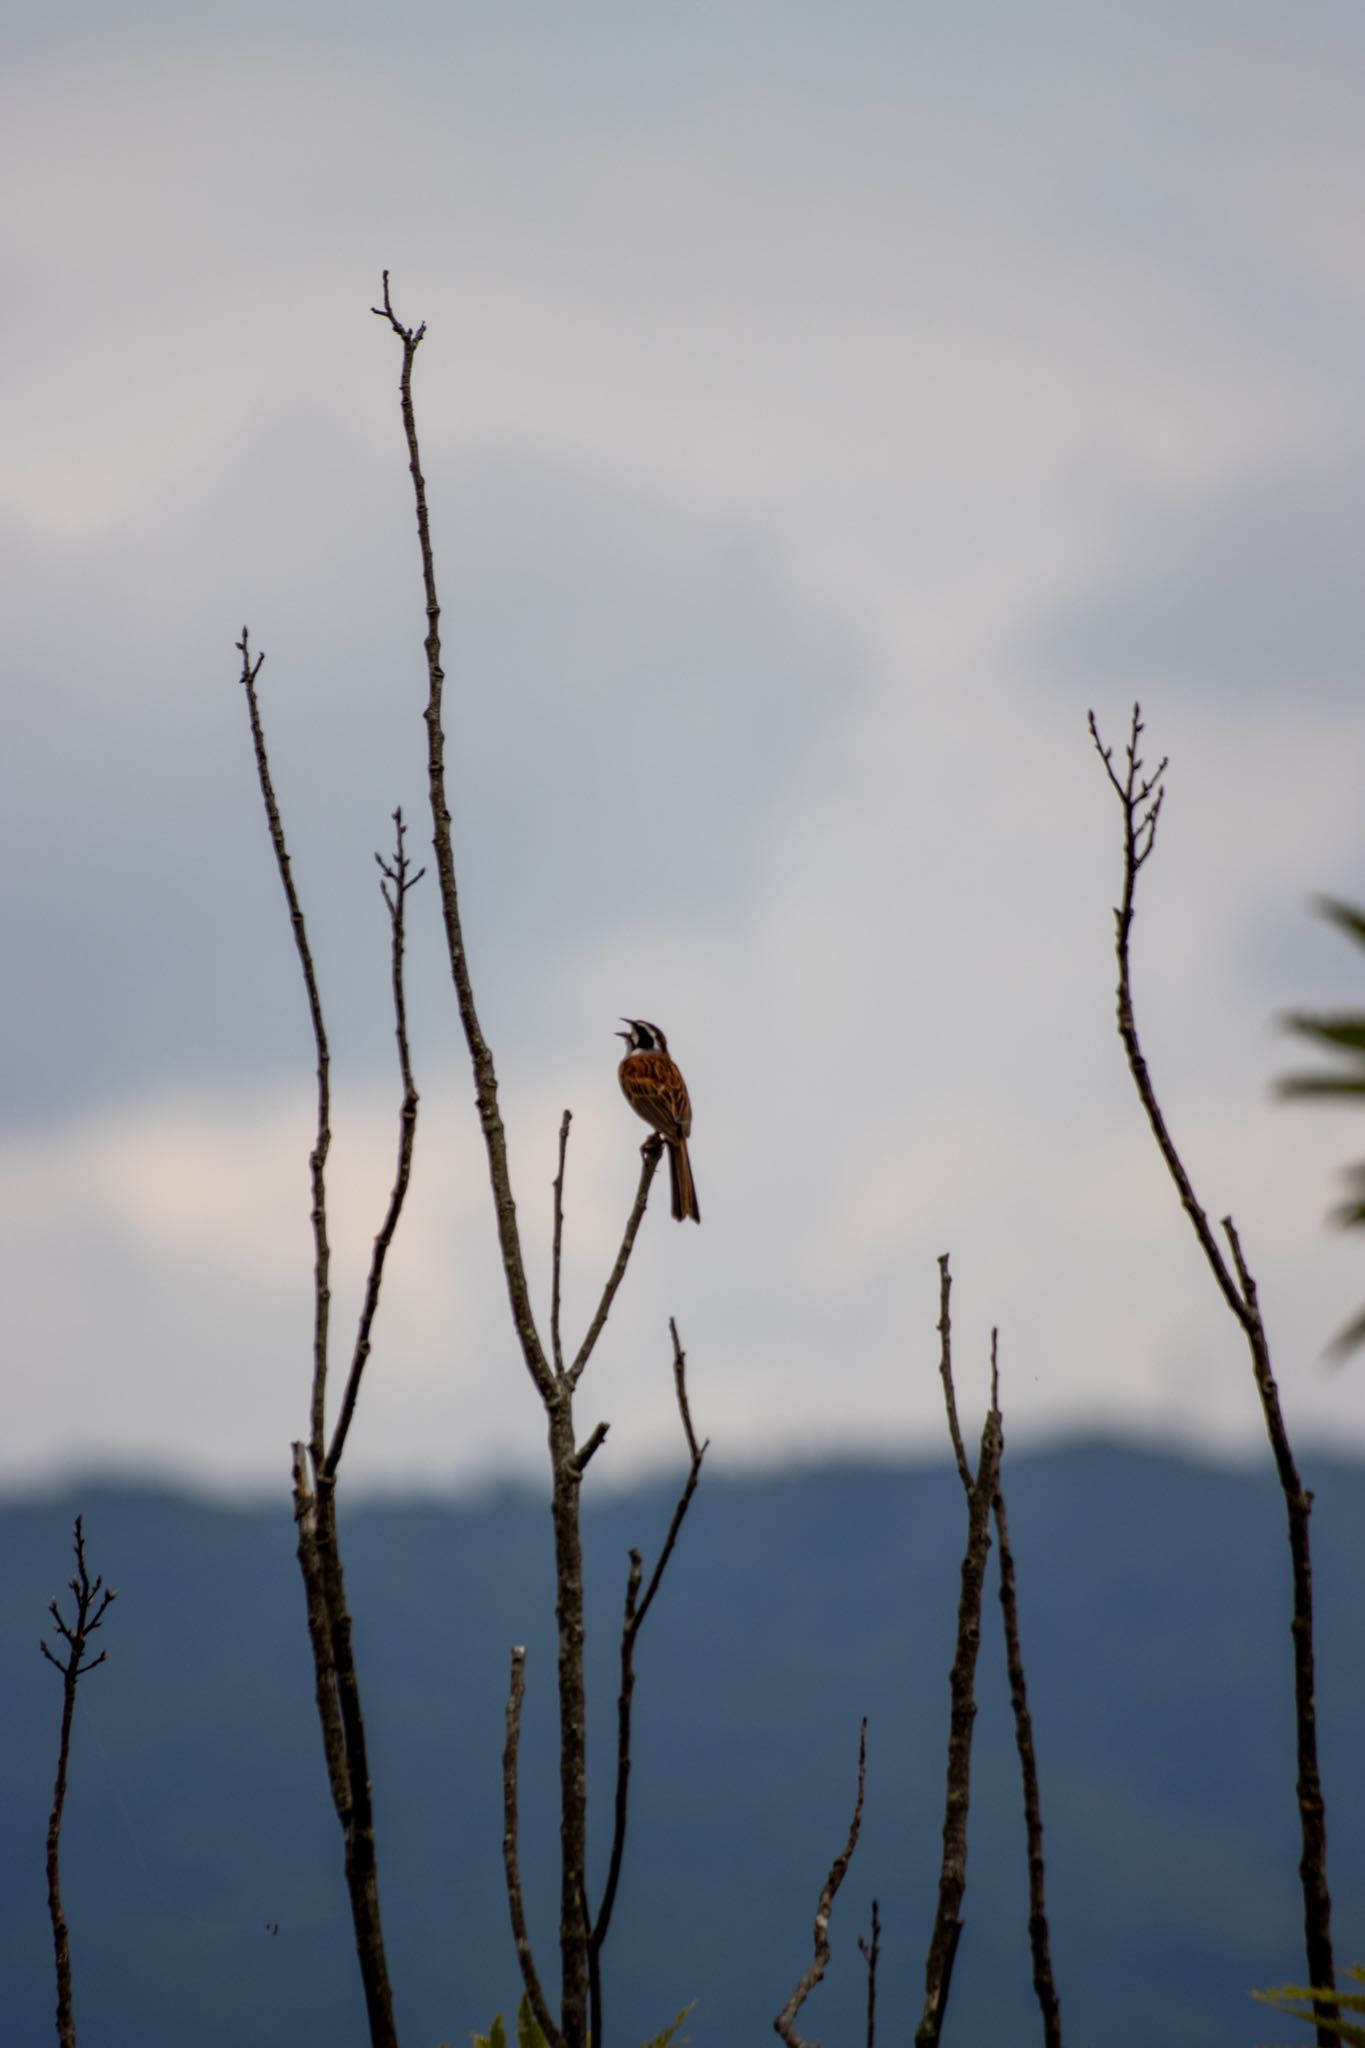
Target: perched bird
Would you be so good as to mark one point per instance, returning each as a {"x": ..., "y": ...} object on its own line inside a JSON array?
[{"x": 655, "y": 1090}]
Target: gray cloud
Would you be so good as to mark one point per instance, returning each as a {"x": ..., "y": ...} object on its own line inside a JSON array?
[{"x": 1252, "y": 588}]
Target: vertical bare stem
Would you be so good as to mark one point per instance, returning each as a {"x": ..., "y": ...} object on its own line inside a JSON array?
[
  {"x": 1140, "y": 795},
  {"x": 394, "y": 888},
  {"x": 317, "y": 1162},
  {"x": 635, "y": 1613},
  {"x": 1040, "y": 1948},
  {"x": 947, "y": 1929},
  {"x": 93, "y": 1600},
  {"x": 945, "y": 1370},
  {"x": 319, "y": 1550},
  {"x": 480, "y": 1054},
  {"x": 557, "y": 1247},
  {"x": 871, "y": 1951},
  {"x": 553, "y": 1383},
  {"x": 511, "y": 1857}
]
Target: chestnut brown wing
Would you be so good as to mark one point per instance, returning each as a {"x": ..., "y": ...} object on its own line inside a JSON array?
[{"x": 655, "y": 1090}]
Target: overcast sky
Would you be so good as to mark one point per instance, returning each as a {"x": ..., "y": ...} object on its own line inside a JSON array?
[{"x": 822, "y": 407}]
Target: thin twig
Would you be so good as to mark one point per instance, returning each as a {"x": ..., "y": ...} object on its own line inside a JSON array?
[
  {"x": 557, "y": 1246},
  {"x": 650, "y": 1155},
  {"x": 1044, "y": 1984},
  {"x": 1140, "y": 796},
  {"x": 945, "y": 1368},
  {"x": 871, "y": 1950},
  {"x": 480, "y": 1053},
  {"x": 635, "y": 1611},
  {"x": 947, "y": 1929},
  {"x": 319, "y": 1550},
  {"x": 785, "y": 2023},
  {"x": 93, "y": 1600},
  {"x": 511, "y": 1859},
  {"x": 395, "y": 873},
  {"x": 592, "y": 1446},
  {"x": 317, "y": 1161}
]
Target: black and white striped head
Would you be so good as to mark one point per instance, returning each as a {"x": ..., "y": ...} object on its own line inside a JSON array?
[{"x": 642, "y": 1037}]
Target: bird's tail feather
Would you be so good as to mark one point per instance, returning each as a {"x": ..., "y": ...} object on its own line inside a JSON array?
[{"x": 685, "y": 1202}]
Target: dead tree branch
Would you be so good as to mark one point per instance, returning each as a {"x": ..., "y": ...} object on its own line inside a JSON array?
[
  {"x": 317, "y": 1162},
  {"x": 394, "y": 888},
  {"x": 557, "y": 1244},
  {"x": 480, "y": 1053},
  {"x": 947, "y": 1928},
  {"x": 93, "y": 1601},
  {"x": 1140, "y": 794},
  {"x": 511, "y": 1855},
  {"x": 870, "y": 1950},
  {"x": 635, "y": 1613},
  {"x": 1040, "y": 1946},
  {"x": 785, "y": 2023},
  {"x": 650, "y": 1155},
  {"x": 554, "y": 1384},
  {"x": 340, "y": 1715}
]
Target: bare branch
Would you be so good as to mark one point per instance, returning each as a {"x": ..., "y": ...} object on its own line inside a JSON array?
[
  {"x": 394, "y": 887},
  {"x": 511, "y": 1861},
  {"x": 319, "y": 1551},
  {"x": 871, "y": 1952},
  {"x": 317, "y": 1163},
  {"x": 93, "y": 1600},
  {"x": 1140, "y": 798},
  {"x": 1044, "y": 1984},
  {"x": 480, "y": 1053},
  {"x": 557, "y": 1245},
  {"x": 591, "y": 1447},
  {"x": 947, "y": 1930},
  {"x": 945, "y": 1367},
  {"x": 635, "y": 1611},
  {"x": 650, "y": 1154},
  {"x": 320, "y": 1638},
  {"x": 785, "y": 2023}
]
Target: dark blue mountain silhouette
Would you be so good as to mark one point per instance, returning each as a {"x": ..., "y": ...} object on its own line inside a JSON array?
[{"x": 1155, "y": 1604}]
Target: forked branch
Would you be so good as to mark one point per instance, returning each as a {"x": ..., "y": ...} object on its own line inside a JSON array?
[
  {"x": 980, "y": 1491},
  {"x": 1140, "y": 796},
  {"x": 319, "y": 1552},
  {"x": 554, "y": 1382},
  {"x": 93, "y": 1601},
  {"x": 397, "y": 880}
]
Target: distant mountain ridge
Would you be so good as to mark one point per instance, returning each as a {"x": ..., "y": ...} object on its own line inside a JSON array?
[{"x": 1155, "y": 1616}]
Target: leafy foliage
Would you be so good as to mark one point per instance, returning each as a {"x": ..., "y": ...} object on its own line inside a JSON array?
[
  {"x": 1343, "y": 1034},
  {"x": 1298, "y": 2001},
  {"x": 529, "y": 2034}
]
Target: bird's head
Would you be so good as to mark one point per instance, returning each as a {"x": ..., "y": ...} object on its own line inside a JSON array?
[{"x": 642, "y": 1037}]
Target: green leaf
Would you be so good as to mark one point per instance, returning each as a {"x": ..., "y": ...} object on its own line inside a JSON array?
[
  {"x": 1344, "y": 916},
  {"x": 496, "y": 2037},
  {"x": 1346, "y": 1030},
  {"x": 670, "y": 2033},
  {"x": 1299, "y": 2002},
  {"x": 528, "y": 2026},
  {"x": 1294, "y": 1085}
]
